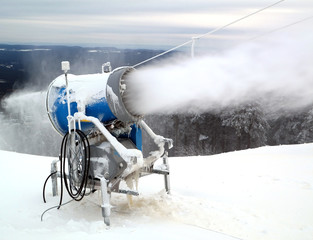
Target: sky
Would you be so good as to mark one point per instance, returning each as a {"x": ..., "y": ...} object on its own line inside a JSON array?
[{"x": 138, "y": 23}]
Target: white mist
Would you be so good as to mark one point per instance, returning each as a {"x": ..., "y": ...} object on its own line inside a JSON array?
[{"x": 278, "y": 73}]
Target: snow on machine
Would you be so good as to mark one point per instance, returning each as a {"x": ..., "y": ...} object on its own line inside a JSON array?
[{"x": 102, "y": 139}]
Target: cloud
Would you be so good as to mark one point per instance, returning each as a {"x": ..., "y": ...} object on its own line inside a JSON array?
[{"x": 56, "y": 21}]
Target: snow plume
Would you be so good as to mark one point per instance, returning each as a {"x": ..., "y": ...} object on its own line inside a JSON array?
[
  {"x": 278, "y": 74},
  {"x": 25, "y": 126}
]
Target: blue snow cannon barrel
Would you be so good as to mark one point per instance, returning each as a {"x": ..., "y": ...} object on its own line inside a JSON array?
[{"x": 100, "y": 95}]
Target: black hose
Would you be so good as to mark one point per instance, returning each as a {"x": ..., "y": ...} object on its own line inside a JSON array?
[
  {"x": 44, "y": 186},
  {"x": 80, "y": 191},
  {"x": 41, "y": 218},
  {"x": 76, "y": 192}
]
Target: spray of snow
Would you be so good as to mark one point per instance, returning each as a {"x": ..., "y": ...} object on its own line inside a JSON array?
[
  {"x": 277, "y": 73},
  {"x": 25, "y": 126}
]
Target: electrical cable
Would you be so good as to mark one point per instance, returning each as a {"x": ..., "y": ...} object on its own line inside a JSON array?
[
  {"x": 280, "y": 28},
  {"x": 210, "y": 230},
  {"x": 44, "y": 186},
  {"x": 208, "y": 33},
  {"x": 80, "y": 192},
  {"x": 76, "y": 180},
  {"x": 57, "y": 206},
  {"x": 239, "y": 19}
]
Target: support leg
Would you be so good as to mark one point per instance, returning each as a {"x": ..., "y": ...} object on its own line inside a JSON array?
[
  {"x": 54, "y": 178},
  {"x": 167, "y": 176},
  {"x": 106, "y": 206}
]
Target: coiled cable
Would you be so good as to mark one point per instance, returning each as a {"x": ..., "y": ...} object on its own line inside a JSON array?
[
  {"x": 74, "y": 167},
  {"x": 75, "y": 162}
]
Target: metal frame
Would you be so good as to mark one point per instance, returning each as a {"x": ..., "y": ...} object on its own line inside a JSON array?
[{"x": 130, "y": 162}]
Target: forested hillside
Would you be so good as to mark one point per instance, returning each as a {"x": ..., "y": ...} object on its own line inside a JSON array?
[
  {"x": 233, "y": 129},
  {"x": 245, "y": 126}
]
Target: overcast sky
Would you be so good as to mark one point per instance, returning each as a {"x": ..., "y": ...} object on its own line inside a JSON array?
[{"x": 141, "y": 23}]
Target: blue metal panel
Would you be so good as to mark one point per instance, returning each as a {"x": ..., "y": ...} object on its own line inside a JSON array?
[
  {"x": 99, "y": 109},
  {"x": 136, "y": 136}
]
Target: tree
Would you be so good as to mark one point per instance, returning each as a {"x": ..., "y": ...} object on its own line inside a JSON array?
[
  {"x": 286, "y": 129},
  {"x": 249, "y": 123},
  {"x": 306, "y": 132}
]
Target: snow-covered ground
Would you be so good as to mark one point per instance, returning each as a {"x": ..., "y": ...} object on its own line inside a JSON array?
[{"x": 264, "y": 193}]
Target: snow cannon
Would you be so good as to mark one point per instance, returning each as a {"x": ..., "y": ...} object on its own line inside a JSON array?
[
  {"x": 103, "y": 96},
  {"x": 102, "y": 142}
]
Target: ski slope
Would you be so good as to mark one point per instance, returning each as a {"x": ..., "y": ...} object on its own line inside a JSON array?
[{"x": 264, "y": 193}]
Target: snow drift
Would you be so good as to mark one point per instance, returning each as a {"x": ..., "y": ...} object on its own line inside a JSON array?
[{"x": 264, "y": 193}]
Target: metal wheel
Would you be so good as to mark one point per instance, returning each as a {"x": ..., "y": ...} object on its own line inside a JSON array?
[{"x": 76, "y": 163}]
